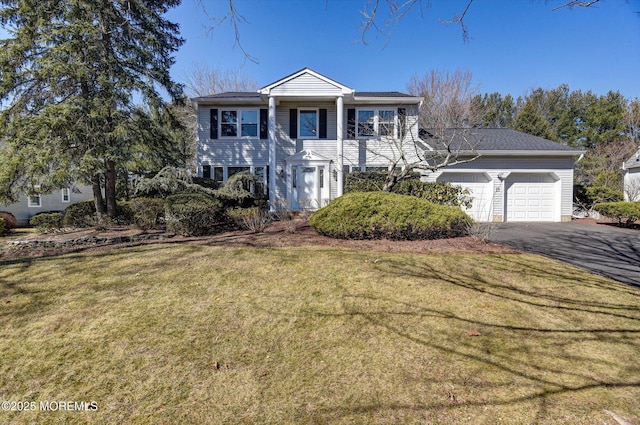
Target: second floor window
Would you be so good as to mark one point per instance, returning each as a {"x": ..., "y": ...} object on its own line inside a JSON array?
[
  {"x": 309, "y": 123},
  {"x": 376, "y": 122},
  {"x": 239, "y": 123}
]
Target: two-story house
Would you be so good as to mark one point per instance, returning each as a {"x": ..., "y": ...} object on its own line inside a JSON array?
[{"x": 304, "y": 132}]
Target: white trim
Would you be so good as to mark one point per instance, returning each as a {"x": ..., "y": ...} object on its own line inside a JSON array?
[
  {"x": 62, "y": 192},
  {"x": 267, "y": 89},
  {"x": 31, "y": 204}
]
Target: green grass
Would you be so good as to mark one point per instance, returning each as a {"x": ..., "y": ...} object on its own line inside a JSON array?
[{"x": 180, "y": 334}]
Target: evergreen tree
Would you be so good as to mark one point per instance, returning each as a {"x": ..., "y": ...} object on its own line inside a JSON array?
[{"x": 70, "y": 73}]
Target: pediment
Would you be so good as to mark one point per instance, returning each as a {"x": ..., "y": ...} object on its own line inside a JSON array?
[
  {"x": 304, "y": 83},
  {"x": 307, "y": 156}
]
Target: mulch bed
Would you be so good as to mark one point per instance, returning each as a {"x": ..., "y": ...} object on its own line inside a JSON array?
[{"x": 278, "y": 234}]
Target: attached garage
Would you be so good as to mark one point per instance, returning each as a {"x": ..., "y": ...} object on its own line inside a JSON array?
[
  {"x": 480, "y": 187},
  {"x": 532, "y": 197},
  {"x": 512, "y": 176}
]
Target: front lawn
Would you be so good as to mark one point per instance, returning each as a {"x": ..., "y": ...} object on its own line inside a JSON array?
[{"x": 181, "y": 334}]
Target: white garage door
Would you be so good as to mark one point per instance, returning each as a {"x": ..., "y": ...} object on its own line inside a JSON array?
[
  {"x": 530, "y": 197},
  {"x": 480, "y": 189}
]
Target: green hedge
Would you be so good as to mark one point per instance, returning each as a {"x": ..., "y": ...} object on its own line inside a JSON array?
[
  {"x": 194, "y": 214},
  {"x": 148, "y": 213},
  {"x": 624, "y": 212},
  {"x": 83, "y": 214},
  {"x": 442, "y": 193},
  {"x": 46, "y": 221},
  {"x": 376, "y": 215}
]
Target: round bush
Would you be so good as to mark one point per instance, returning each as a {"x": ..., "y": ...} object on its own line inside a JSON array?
[
  {"x": 148, "y": 213},
  {"x": 46, "y": 221},
  {"x": 377, "y": 215},
  {"x": 194, "y": 214},
  {"x": 10, "y": 221},
  {"x": 625, "y": 212},
  {"x": 79, "y": 214},
  {"x": 3, "y": 226}
]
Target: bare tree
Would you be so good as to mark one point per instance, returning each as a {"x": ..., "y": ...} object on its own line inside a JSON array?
[
  {"x": 632, "y": 120},
  {"x": 438, "y": 136},
  {"x": 632, "y": 189},
  {"x": 203, "y": 80}
]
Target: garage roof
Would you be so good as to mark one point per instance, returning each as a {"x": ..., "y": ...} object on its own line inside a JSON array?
[{"x": 495, "y": 141}]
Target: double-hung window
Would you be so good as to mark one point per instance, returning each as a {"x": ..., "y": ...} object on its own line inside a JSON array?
[
  {"x": 239, "y": 123},
  {"x": 34, "y": 201},
  {"x": 376, "y": 123},
  {"x": 66, "y": 195},
  {"x": 308, "y": 123}
]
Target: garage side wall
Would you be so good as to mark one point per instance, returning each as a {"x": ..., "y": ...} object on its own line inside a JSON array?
[{"x": 500, "y": 168}]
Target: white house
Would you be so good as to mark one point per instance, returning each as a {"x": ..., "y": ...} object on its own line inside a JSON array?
[
  {"x": 58, "y": 201},
  {"x": 304, "y": 132},
  {"x": 632, "y": 178}
]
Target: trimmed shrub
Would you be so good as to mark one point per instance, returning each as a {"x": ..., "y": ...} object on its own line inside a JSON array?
[
  {"x": 124, "y": 213},
  {"x": 377, "y": 215},
  {"x": 3, "y": 226},
  {"x": 46, "y": 221},
  {"x": 194, "y": 214},
  {"x": 10, "y": 221},
  {"x": 254, "y": 219},
  {"x": 79, "y": 214},
  {"x": 625, "y": 212},
  {"x": 148, "y": 213}
]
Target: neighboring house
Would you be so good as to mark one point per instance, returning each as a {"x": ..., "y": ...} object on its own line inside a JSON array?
[
  {"x": 58, "y": 200},
  {"x": 303, "y": 133},
  {"x": 632, "y": 178}
]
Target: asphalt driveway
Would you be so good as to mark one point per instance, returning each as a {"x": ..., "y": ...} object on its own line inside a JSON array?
[{"x": 602, "y": 249}]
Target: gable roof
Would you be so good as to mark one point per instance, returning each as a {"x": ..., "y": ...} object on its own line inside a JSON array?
[
  {"x": 309, "y": 85},
  {"x": 496, "y": 141},
  {"x": 633, "y": 162},
  {"x": 307, "y": 74}
]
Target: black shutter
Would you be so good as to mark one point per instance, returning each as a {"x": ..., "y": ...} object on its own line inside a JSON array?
[
  {"x": 293, "y": 123},
  {"x": 402, "y": 122},
  {"x": 323, "y": 123},
  {"x": 264, "y": 126},
  {"x": 351, "y": 123},
  {"x": 213, "y": 124},
  {"x": 206, "y": 171}
]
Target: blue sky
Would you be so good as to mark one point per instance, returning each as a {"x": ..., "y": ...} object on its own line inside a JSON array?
[{"x": 515, "y": 45}]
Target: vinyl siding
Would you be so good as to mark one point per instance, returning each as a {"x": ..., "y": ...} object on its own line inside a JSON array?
[
  {"x": 306, "y": 85},
  {"x": 48, "y": 203}
]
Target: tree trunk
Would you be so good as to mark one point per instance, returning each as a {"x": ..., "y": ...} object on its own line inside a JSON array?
[
  {"x": 97, "y": 195},
  {"x": 110, "y": 187}
]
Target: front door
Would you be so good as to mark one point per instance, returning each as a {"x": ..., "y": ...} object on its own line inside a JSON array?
[{"x": 307, "y": 188}]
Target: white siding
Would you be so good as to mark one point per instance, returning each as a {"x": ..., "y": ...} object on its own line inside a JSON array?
[
  {"x": 632, "y": 185},
  {"x": 306, "y": 85},
  {"x": 225, "y": 151}
]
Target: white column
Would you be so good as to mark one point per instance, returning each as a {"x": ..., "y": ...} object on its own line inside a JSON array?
[
  {"x": 340, "y": 144},
  {"x": 272, "y": 152}
]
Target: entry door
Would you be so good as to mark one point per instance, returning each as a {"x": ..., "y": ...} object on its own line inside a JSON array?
[{"x": 308, "y": 188}]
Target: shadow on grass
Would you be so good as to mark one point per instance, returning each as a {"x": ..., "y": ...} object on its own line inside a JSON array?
[{"x": 546, "y": 370}]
